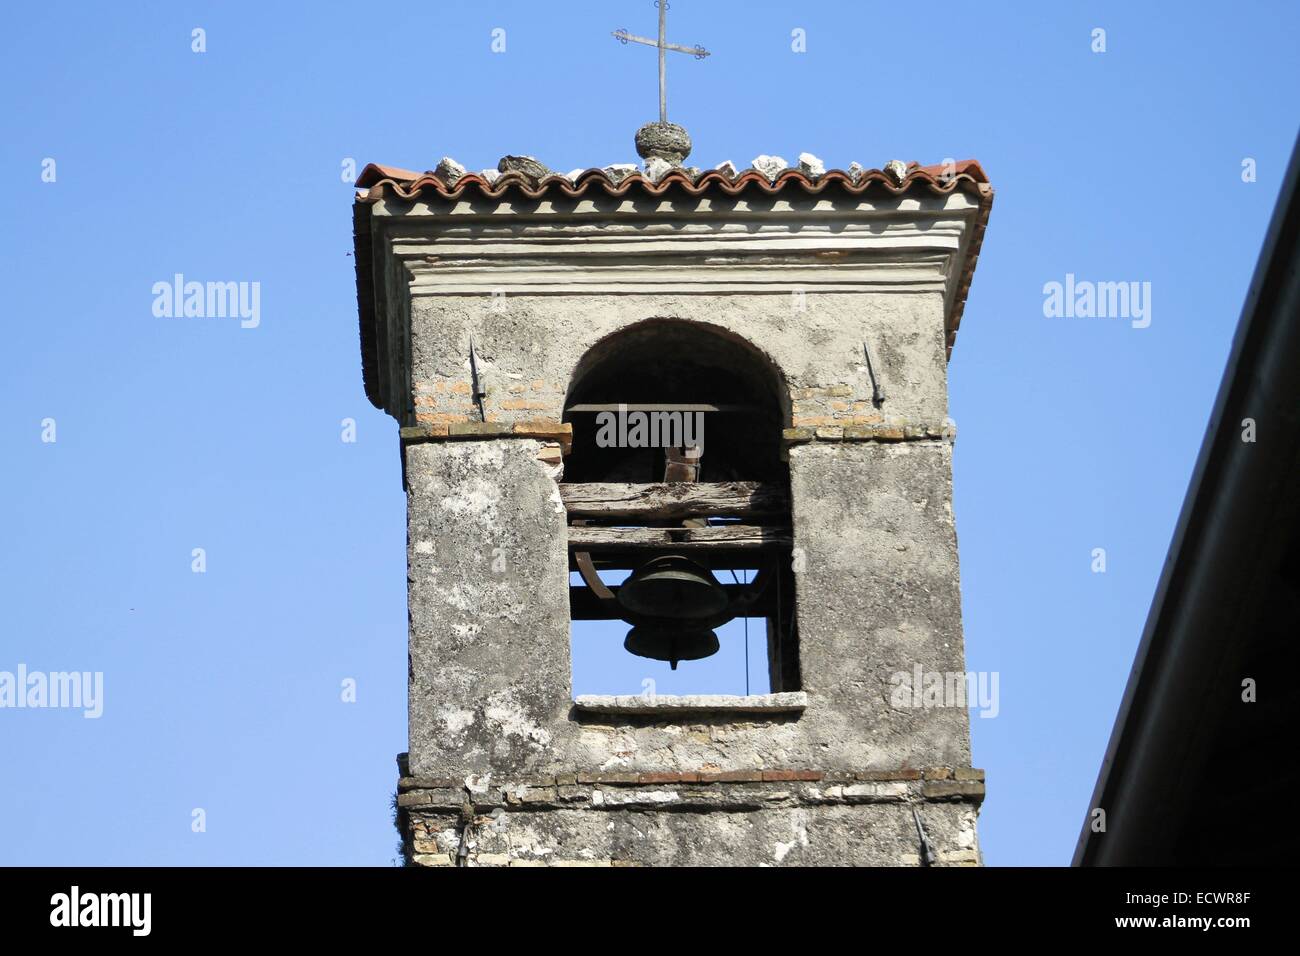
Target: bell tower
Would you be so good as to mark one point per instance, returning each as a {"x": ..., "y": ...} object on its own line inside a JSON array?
[{"x": 667, "y": 399}]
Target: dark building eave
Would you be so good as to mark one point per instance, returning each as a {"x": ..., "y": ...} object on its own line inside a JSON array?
[{"x": 1188, "y": 764}]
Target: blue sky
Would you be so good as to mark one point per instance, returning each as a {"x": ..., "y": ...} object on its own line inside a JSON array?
[{"x": 222, "y": 689}]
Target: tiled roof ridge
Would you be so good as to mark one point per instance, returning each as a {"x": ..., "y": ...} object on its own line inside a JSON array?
[{"x": 408, "y": 184}]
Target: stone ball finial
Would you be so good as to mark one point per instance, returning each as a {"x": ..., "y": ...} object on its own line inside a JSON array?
[{"x": 667, "y": 141}]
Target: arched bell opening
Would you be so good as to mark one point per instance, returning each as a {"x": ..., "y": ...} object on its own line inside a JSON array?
[{"x": 679, "y": 515}]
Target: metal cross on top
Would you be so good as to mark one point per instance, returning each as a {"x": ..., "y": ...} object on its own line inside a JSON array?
[{"x": 698, "y": 51}]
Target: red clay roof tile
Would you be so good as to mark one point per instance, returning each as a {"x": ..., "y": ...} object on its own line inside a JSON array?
[{"x": 406, "y": 184}]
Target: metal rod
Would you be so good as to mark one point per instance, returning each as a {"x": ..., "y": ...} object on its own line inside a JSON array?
[
  {"x": 663, "y": 46},
  {"x": 695, "y": 51},
  {"x": 746, "y": 624},
  {"x": 478, "y": 390},
  {"x": 927, "y": 851},
  {"x": 746, "y": 620},
  {"x": 663, "y": 39}
]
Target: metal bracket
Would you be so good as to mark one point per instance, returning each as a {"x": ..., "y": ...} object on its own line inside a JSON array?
[
  {"x": 588, "y": 571},
  {"x": 927, "y": 851},
  {"x": 466, "y": 832},
  {"x": 479, "y": 392},
  {"x": 877, "y": 394}
]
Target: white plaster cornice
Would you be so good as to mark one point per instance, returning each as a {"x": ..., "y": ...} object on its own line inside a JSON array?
[{"x": 619, "y": 245}]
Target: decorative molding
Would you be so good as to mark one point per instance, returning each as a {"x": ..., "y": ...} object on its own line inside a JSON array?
[{"x": 680, "y": 246}]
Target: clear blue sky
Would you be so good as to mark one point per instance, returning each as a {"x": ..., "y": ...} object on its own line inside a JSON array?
[{"x": 222, "y": 690}]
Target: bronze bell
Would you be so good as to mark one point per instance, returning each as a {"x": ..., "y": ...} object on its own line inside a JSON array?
[
  {"x": 674, "y": 587},
  {"x": 671, "y": 643},
  {"x": 669, "y": 597}
]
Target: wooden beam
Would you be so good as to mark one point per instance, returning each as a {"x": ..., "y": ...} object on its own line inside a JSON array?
[
  {"x": 740, "y": 536},
  {"x": 720, "y": 559},
  {"x": 733, "y": 499},
  {"x": 585, "y": 606},
  {"x": 593, "y": 408}
]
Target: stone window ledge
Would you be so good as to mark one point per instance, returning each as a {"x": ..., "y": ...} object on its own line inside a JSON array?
[{"x": 666, "y": 705}]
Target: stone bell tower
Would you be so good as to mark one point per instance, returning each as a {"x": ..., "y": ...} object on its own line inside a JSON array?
[{"x": 786, "y": 333}]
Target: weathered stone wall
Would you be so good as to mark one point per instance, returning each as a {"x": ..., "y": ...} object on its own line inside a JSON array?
[
  {"x": 490, "y": 668},
  {"x": 528, "y": 351},
  {"x": 489, "y": 608},
  {"x": 878, "y": 595},
  {"x": 506, "y": 770}
]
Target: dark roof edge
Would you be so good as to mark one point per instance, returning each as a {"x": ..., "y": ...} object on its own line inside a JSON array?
[
  {"x": 1222, "y": 483},
  {"x": 363, "y": 262}
]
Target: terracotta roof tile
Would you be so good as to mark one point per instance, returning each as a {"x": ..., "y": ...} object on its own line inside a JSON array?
[{"x": 406, "y": 184}]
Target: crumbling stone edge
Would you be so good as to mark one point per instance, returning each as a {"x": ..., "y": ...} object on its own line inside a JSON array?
[
  {"x": 561, "y": 433},
  {"x": 556, "y": 437},
  {"x": 717, "y": 790},
  {"x": 803, "y": 434}
]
